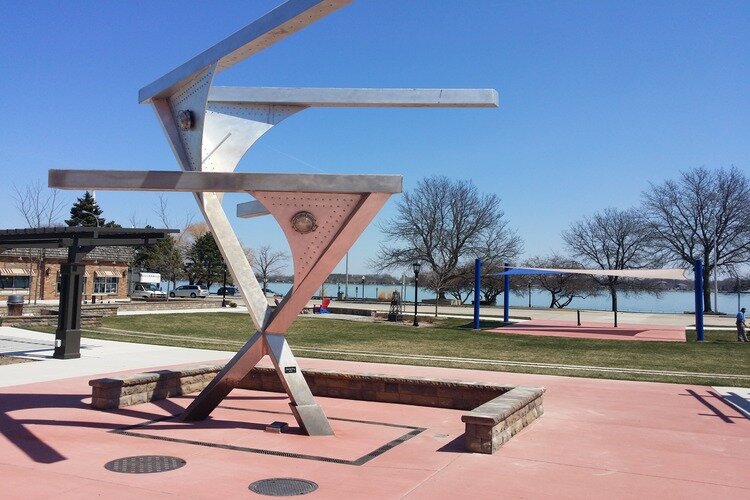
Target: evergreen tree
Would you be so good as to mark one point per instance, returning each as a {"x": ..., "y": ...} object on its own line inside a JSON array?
[
  {"x": 164, "y": 258},
  {"x": 86, "y": 212},
  {"x": 206, "y": 266}
]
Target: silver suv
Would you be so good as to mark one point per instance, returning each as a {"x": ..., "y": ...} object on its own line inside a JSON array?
[{"x": 191, "y": 291}]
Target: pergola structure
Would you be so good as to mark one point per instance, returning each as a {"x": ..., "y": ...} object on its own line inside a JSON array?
[
  {"x": 79, "y": 241},
  {"x": 210, "y": 129}
]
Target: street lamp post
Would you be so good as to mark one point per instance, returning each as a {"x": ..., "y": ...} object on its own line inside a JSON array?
[
  {"x": 415, "y": 267},
  {"x": 363, "y": 288},
  {"x": 346, "y": 285},
  {"x": 96, "y": 218},
  {"x": 224, "y": 288},
  {"x": 529, "y": 294}
]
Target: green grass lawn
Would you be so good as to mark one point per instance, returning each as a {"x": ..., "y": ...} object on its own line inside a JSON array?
[{"x": 450, "y": 338}]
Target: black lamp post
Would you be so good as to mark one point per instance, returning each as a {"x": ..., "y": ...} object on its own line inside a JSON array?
[
  {"x": 529, "y": 294},
  {"x": 224, "y": 288},
  {"x": 363, "y": 288},
  {"x": 416, "y": 266}
]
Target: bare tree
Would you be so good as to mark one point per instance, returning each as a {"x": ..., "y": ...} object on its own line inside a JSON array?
[
  {"x": 39, "y": 207},
  {"x": 612, "y": 239},
  {"x": 462, "y": 285},
  {"x": 563, "y": 288},
  {"x": 266, "y": 262},
  {"x": 134, "y": 221},
  {"x": 444, "y": 223},
  {"x": 703, "y": 215},
  {"x": 496, "y": 247}
]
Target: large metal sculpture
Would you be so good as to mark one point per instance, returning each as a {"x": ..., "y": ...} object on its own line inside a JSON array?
[{"x": 209, "y": 130}]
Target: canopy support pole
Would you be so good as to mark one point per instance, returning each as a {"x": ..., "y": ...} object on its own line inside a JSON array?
[
  {"x": 699, "y": 300},
  {"x": 506, "y": 291},
  {"x": 477, "y": 286}
]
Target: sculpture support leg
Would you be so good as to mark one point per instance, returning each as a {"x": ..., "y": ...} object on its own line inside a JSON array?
[
  {"x": 227, "y": 379},
  {"x": 309, "y": 414}
]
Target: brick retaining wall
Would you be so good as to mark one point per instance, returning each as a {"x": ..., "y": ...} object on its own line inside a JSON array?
[
  {"x": 46, "y": 320},
  {"x": 437, "y": 393},
  {"x": 497, "y": 413},
  {"x": 156, "y": 305},
  {"x": 492, "y": 424}
]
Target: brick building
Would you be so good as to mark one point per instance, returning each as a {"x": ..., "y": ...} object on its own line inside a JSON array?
[{"x": 36, "y": 272}]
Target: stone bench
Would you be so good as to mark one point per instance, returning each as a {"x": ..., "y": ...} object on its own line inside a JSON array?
[
  {"x": 492, "y": 424},
  {"x": 497, "y": 411}
]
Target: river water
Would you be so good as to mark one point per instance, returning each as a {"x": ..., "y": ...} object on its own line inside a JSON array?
[{"x": 667, "y": 302}]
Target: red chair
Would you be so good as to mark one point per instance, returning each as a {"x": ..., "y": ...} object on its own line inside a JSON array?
[{"x": 324, "y": 306}]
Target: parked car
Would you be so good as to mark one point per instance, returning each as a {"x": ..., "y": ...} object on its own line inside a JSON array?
[
  {"x": 191, "y": 291},
  {"x": 147, "y": 291},
  {"x": 230, "y": 290}
]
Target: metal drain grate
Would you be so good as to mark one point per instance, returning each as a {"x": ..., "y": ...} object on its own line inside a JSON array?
[
  {"x": 283, "y": 487},
  {"x": 145, "y": 464}
]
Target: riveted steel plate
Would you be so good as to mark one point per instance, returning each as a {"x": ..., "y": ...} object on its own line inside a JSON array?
[
  {"x": 145, "y": 464},
  {"x": 283, "y": 487}
]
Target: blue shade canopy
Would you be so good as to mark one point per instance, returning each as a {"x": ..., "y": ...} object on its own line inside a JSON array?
[
  {"x": 523, "y": 270},
  {"x": 661, "y": 274}
]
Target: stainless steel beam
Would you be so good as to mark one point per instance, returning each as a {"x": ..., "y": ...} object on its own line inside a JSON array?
[
  {"x": 307, "y": 412},
  {"x": 356, "y": 97},
  {"x": 281, "y": 22},
  {"x": 251, "y": 209},
  {"x": 227, "y": 379},
  {"x": 189, "y": 181}
]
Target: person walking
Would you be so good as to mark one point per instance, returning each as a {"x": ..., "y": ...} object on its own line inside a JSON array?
[{"x": 741, "y": 326}]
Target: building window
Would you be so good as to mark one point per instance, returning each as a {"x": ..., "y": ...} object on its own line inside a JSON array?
[
  {"x": 105, "y": 284},
  {"x": 15, "y": 281},
  {"x": 59, "y": 283}
]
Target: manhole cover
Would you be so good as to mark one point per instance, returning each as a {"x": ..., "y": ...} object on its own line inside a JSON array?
[
  {"x": 283, "y": 487},
  {"x": 144, "y": 464}
]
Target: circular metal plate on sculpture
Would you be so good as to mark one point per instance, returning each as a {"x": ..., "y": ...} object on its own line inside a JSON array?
[
  {"x": 145, "y": 464},
  {"x": 185, "y": 119},
  {"x": 283, "y": 487},
  {"x": 304, "y": 222}
]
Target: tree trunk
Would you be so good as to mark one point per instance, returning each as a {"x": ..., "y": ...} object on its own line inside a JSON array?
[
  {"x": 707, "y": 289},
  {"x": 553, "y": 301}
]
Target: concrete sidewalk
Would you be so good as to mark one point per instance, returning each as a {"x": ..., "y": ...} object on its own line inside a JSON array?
[
  {"x": 97, "y": 357},
  {"x": 596, "y": 439}
]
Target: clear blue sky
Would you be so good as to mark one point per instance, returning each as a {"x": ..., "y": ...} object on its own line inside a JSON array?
[{"x": 596, "y": 98}]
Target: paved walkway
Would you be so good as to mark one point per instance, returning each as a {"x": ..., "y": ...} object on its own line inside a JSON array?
[
  {"x": 606, "y": 317},
  {"x": 597, "y": 438},
  {"x": 97, "y": 357},
  {"x": 592, "y": 330}
]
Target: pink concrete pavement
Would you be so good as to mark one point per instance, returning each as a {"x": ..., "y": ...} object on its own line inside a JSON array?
[
  {"x": 597, "y": 439},
  {"x": 591, "y": 330}
]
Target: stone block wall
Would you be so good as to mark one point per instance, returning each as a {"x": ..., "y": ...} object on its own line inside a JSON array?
[
  {"x": 496, "y": 413},
  {"x": 437, "y": 393},
  {"x": 90, "y": 320},
  {"x": 113, "y": 393},
  {"x": 176, "y": 303},
  {"x": 492, "y": 424}
]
